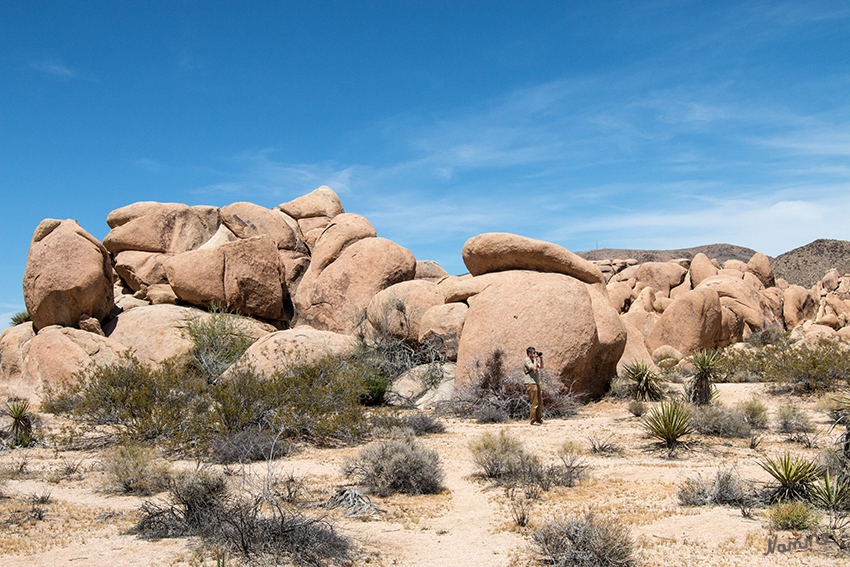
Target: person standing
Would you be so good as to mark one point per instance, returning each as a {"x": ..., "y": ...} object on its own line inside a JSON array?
[{"x": 533, "y": 365}]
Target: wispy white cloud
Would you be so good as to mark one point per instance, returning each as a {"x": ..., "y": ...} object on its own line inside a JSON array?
[{"x": 54, "y": 69}]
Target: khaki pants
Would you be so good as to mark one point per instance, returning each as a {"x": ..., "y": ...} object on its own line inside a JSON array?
[{"x": 536, "y": 402}]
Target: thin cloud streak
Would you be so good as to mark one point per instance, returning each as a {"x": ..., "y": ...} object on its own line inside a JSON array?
[{"x": 54, "y": 69}]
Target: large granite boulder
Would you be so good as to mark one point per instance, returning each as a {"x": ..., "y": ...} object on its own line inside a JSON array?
[
  {"x": 158, "y": 332},
  {"x": 141, "y": 269},
  {"x": 691, "y": 323},
  {"x": 550, "y": 311},
  {"x": 397, "y": 310},
  {"x": 160, "y": 227},
  {"x": 742, "y": 298},
  {"x": 500, "y": 251},
  {"x": 635, "y": 349},
  {"x": 280, "y": 350},
  {"x": 799, "y": 305},
  {"x": 321, "y": 202},
  {"x": 759, "y": 265},
  {"x": 243, "y": 276},
  {"x": 660, "y": 276},
  {"x": 12, "y": 342},
  {"x": 246, "y": 220},
  {"x": 68, "y": 275},
  {"x": 701, "y": 268},
  {"x": 441, "y": 327},
  {"x": 429, "y": 270},
  {"x": 56, "y": 355},
  {"x": 343, "y": 290}
]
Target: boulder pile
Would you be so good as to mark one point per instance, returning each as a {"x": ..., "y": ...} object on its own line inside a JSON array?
[{"x": 306, "y": 278}]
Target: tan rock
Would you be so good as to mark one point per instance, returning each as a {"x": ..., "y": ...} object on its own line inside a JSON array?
[
  {"x": 635, "y": 350},
  {"x": 12, "y": 342},
  {"x": 429, "y": 270},
  {"x": 461, "y": 288},
  {"x": 660, "y": 276},
  {"x": 736, "y": 265},
  {"x": 759, "y": 265},
  {"x": 344, "y": 230},
  {"x": 644, "y": 301},
  {"x": 243, "y": 276},
  {"x": 732, "y": 327},
  {"x": 441, "y": 327},
  {"x": 293, "y": 265},
  {"x": 312, "y": 236},
  {"x": 413, "y": 388},
  {"x": 552, "y": 312},
  {"x": 68, "y": 274},
  {"x": 666, "y": 352},
  {"x": 139, "y": 269},
  {"x": 397, "y": 310},
  {"x": 691, "y": 323},
  {"x": 642, "y": 320},
  {"x": 321, "y": 202},
  {"x": 247, "y": 219},
  {"x": 56, "y": 354},
  {"x": 753, "y": 280},
  {"x": 222, "y": 236},
  {"x": 345, "y": 287},
  {"x": 160, "y": 227},
  {"x": 621, "y": 295},
  {"x": 742, "y": 298},
  {"x": 661, "y": 304},
  {"x": 612, "y": 337},
  {"x": 701, "y": 268},
  {"x": 831, "y": 280},
  {"x": 775, "y": 299},
  {"x": 681, "y": 289},
  {"x": 799, "y": 305},
  {"x": 499, "y": 251},
  {"x": 158, "y": 332},
  {"x": 278, "y": 351},
  {"x": 161, "y": 294}
]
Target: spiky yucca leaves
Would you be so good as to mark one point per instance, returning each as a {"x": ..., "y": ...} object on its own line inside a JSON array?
[
  {"x": 833, "y": 495},
  {"x": 669, "y": 422},
  {"x": 701, "y": 388},
  {"x": 21, "y": 429},
  {"x": 794, "y": 476},
  {"x": 20, "y": 317},
  {"x": 643, "y": 381}
]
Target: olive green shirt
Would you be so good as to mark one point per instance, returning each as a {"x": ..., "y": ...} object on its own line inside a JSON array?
[{"x": 531, "y": 375}]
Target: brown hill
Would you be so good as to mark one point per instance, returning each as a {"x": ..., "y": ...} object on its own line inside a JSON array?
[
  {"x": 807, "y": 264},
  {"x": 722, "y": 252},
  {"x": 802, "y": 266}
]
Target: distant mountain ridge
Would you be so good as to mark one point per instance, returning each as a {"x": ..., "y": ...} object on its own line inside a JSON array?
[{"x": 802, "y": 266}]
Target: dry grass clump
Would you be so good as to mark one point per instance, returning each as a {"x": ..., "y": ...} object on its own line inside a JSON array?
[
  {"x": 586, "y": 540},
  {"x": 398, "y": 464},
  {"x": 792, "y": 419},
  {"x": 134, "y": 469},
  {"x": 725, "y": 488},
  {"x": 715, "y": 419},
  {"x": 754, "y": 412},
  {"x": 793, "y": 515}
]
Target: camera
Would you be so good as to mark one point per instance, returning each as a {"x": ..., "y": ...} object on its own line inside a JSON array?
[{"x": 538, "y": 353}]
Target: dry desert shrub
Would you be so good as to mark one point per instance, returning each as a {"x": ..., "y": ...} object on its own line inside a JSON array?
[
  {"x": 134, "y": 469},
  {"x": 717, "y": 420},
  {"x": 586, "y": 540},
  {"x": 792, "y": 419},
  {"x": 218, "y": 341},
  {"x": 398, "y": 464},
  {"x": 726, "y": 487},
  {"x": 793, "y": 515},
  {"x": 754, "y": 412},
  {"x": 423, "y": 423}
]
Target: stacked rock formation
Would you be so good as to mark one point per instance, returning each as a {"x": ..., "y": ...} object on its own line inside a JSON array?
[{"x": 306, "y": 278}]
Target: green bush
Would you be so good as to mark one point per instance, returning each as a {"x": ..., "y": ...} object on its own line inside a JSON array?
[
  {"x": 136, "y": 470},
  {"x": 398, "y": 464},
  {"x": 793, "y": 515},
  {"x": 643, "y": 381},
  {"x": 586, "y": 540},
  {"x": 218, "y": 341},
  {"x": 669, "y": 422},
  {"x": 20, "y": 317},
  {"x": 800, "y": 367},
  {"x": 497, "y": 456}
]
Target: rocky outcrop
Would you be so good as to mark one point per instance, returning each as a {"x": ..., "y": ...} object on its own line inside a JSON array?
[
  {"x": 397, "y": 310},
  {"x": 278, "y": 351},
  {"x": 246, "y": 220},
  {"x": 550, "y": 311},
  {"x": 499, "y": 251},
  {"x": 68, "y": 275},
  {"x": 691, "y": 323},
  {"x": 441, "y": 328},
  {"x": 160, "y": 227}
]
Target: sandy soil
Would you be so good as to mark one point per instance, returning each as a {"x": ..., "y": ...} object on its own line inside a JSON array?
[{"x": 469, "y": 524}]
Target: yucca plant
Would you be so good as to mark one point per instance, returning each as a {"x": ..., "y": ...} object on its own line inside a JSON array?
[
  {"x": 669, "y": 422},
  {"x": 701, "y": 389},
  {"x": 21, "y": 429},
  {"x": 20, "y": 317},
  {"x": 643, "y": 381},
  {"x": 794, "y": 476},
  {"x": 833, "y": 495},
  {"x": 842, "y": 412}
]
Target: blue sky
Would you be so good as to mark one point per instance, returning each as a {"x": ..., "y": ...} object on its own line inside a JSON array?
[{"x": 590, "y": 124}]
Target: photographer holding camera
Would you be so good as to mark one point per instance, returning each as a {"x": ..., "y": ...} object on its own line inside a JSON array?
[{"x": 533, "y": 364}]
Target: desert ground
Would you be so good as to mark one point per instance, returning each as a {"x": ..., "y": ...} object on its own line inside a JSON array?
[{"x": 85, "y": 521}]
